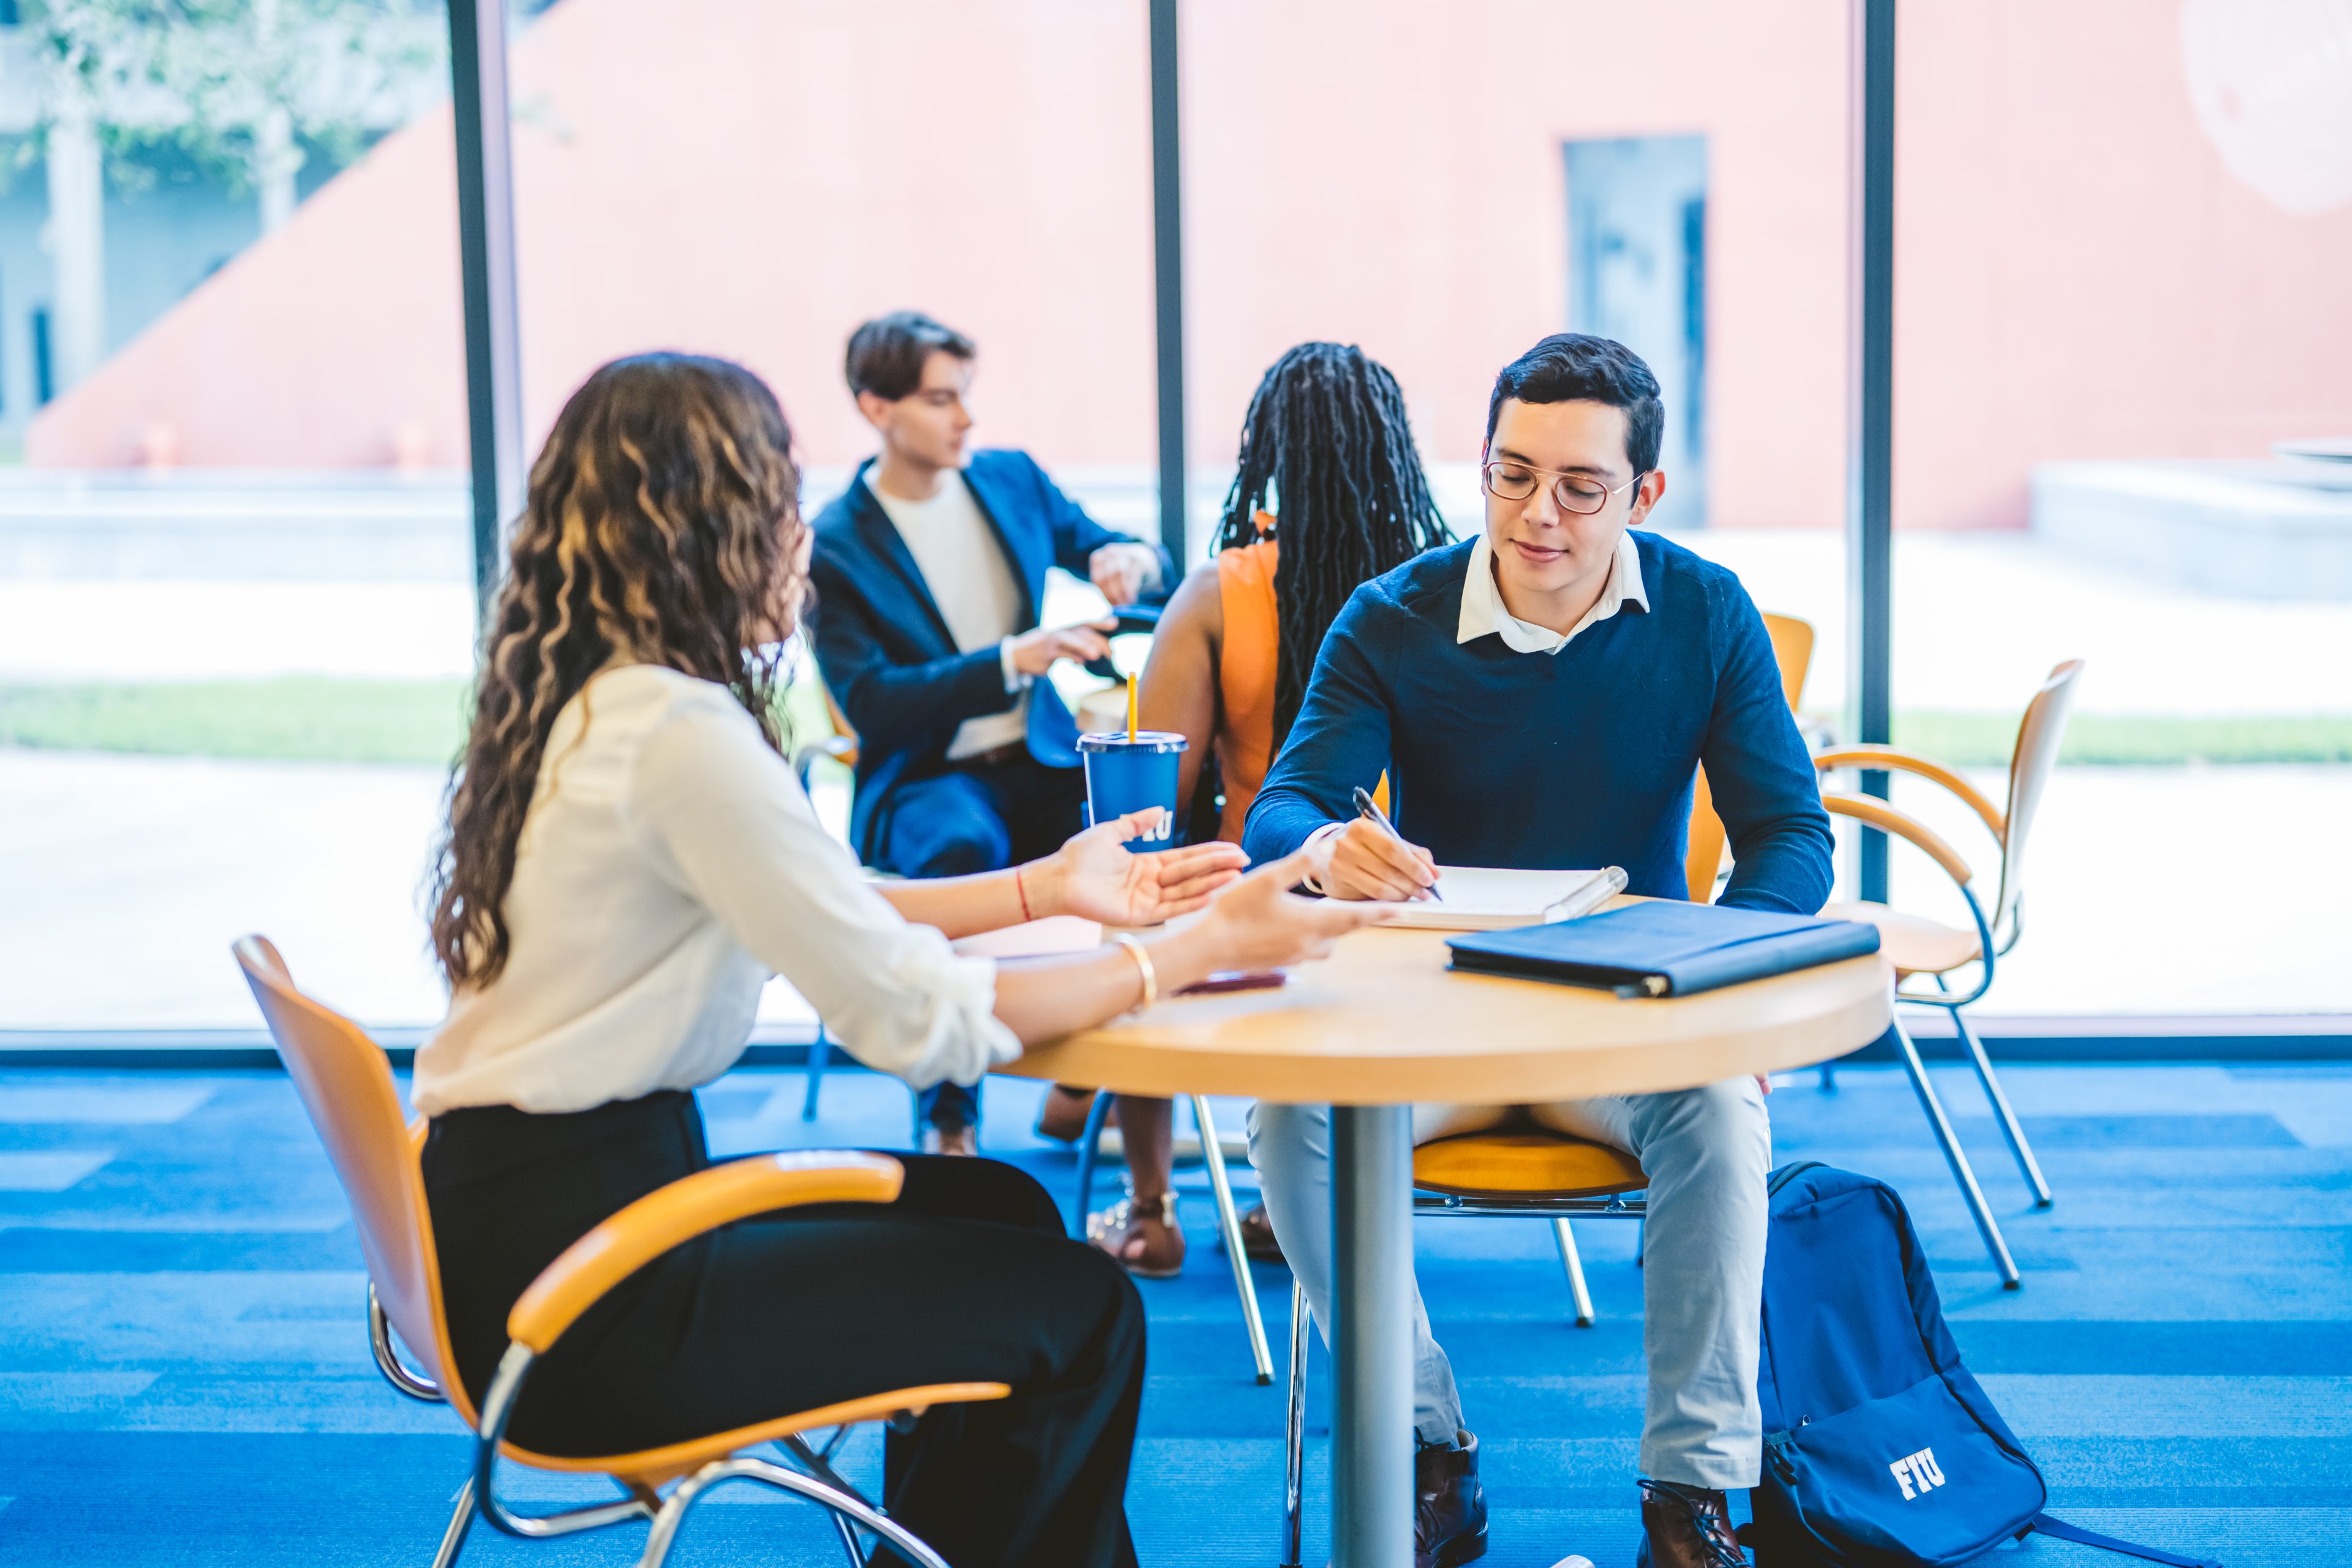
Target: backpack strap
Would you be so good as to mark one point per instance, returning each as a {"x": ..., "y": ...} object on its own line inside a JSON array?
[{"x": 2060, "y": 1529}]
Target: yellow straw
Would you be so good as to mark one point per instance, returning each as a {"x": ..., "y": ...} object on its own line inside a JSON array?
[{"x": 1131, "y": 708}]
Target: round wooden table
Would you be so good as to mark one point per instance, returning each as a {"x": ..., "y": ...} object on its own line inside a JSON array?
[{"x": 1383, "y": 1024}]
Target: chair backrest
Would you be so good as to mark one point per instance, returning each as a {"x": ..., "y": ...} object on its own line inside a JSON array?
[
  {"x": 2039, "y": 738},
  {"x": 1792, "y": 649},
  {"x": 832, "y": 710},
  {"x": 345, "y": 1084}
]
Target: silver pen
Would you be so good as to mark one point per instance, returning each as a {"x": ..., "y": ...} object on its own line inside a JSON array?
[{"x": 1367, "y": 806}]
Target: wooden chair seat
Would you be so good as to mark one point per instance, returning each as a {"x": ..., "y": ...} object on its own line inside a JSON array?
[
  {"x": 1525, "y": 1164},
  {"x": 1912, "y": 943}
]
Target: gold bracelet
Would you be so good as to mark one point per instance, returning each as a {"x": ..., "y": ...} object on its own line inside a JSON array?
[{"x": 1136, "y": 951}]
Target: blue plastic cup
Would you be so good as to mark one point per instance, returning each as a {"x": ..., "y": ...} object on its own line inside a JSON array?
[{"x": 1124, "y": 775}]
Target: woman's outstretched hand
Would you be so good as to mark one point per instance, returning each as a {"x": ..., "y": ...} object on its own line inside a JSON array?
[
  {"x": 1096, "y": 877},
  {"x": 1259, "y": 923}
]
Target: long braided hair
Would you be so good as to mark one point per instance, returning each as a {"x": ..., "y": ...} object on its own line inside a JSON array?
[
  {"x": 1327, "y": 445},
  {"x": 663, "y": 525}
]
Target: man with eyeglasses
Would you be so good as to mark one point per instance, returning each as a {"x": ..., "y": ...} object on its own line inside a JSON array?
[{"x": 1542, "y": 696}]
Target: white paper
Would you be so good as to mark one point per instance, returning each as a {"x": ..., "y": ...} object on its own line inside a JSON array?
[{"x": 1489, "y": 897}]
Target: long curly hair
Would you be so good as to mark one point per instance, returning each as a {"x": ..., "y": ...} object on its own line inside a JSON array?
[
  {"x": 663, "y": 527},
  {"x": 1327, "y": 440}
]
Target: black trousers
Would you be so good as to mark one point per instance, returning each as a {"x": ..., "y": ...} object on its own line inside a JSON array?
[{"x": 968, "y": 1276}]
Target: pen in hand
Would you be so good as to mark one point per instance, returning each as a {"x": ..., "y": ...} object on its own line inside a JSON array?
[{"x": 1368, "y": 807}]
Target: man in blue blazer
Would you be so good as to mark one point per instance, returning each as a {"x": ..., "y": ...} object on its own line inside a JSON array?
[{"x": 929, "y": 572}]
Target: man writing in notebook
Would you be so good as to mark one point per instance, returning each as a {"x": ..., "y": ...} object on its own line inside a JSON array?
[{"x": 1541, "y": 697}]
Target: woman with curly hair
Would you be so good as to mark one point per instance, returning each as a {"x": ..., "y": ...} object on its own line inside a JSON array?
[{"x": 628, "y": 858}]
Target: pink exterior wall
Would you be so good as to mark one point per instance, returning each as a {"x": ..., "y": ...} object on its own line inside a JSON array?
[{"x": 2077, "y": 276}]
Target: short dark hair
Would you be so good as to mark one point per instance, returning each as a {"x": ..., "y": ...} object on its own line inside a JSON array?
[
  {"x": 1576, "y": 367},
  {"x": 886, "y": 355}
]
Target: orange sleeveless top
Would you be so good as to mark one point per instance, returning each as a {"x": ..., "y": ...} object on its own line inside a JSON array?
[{"x": 1245, "y": 671}]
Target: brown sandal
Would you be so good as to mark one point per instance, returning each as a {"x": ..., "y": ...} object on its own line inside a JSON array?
[
  {"x": 1147, "y": 1245},
  {"x": 1258, "y": 1237}
]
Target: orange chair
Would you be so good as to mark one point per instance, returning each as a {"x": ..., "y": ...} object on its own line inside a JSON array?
[
  {"x": 1703, "y": 861},
  {"x": 346, "y": 1086},
  {"x": 1921, "y": 946},
  {"x": 840, "y": 746}
]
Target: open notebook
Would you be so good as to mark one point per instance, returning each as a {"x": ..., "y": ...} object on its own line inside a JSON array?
[{"x": 1489, "y": 898}]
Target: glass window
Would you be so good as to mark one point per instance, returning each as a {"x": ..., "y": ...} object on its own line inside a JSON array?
[
  {"x": 235, "y": 619},
  {"x": 2120, "y": 242},
  {"x": 758, "y": 193}
]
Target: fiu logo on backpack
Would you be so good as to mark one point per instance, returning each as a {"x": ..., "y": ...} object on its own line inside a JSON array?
[{"x": 1917, "y": 1473}]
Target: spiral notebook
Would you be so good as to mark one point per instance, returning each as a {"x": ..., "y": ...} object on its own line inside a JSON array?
[{"x": 1491, "y": 898}]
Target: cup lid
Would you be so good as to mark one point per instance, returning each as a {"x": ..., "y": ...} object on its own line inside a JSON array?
[{"x": 1145, "y": 740}]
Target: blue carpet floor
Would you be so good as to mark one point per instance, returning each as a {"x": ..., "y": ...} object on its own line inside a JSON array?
[{"x": 184, "y": 1376}]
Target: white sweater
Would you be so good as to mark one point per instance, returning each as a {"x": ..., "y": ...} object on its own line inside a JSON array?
[{"x": 669, "y": 864}]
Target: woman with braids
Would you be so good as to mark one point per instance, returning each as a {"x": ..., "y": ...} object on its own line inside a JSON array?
[
  {"x": 1327, "y": 447},
  {"x": 628, "y": 858}
]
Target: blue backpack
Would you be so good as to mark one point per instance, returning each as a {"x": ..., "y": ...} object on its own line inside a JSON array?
[{"x": 1880, "y": 1450}]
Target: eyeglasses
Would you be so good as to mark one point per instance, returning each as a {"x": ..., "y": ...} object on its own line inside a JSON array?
[{"x": 1575, "y": 492}]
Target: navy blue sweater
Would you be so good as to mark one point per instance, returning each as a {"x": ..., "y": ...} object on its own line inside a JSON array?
[{"x": 1577, "y": 759}]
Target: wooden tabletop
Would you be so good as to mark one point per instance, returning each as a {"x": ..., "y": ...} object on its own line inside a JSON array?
[{"x": 1383, "y": 1022}]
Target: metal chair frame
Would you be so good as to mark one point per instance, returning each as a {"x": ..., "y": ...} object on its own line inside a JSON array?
[
  {"x": 346, "y": 1086},
  {"x": 820, "y": 1483},
  {"x": 2039, "y": 733},
  {"x": 1228, "y": 1222}
]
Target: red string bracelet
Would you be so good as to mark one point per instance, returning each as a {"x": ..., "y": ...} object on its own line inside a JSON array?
[{"x": 1018, "y": 887}]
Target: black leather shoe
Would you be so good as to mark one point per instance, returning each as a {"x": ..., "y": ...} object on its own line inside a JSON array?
[
  {"x": 1449, "y": 1519},
  {"x": 1686, "y": 1526}
]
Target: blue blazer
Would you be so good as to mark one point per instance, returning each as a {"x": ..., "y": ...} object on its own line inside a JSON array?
[{"x": 886, "y": 651}]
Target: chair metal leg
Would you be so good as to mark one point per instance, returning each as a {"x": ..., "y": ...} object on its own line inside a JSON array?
[
  {"x": 848, "y": 1534},
  {"x": 820, "y": 1054},
  {"x": 1565, "y": 1239},
  {"x": 819, "y": 1464},
  {"x": 453, "y": 1539},
  {"x": 743, "y": 1467},
  {"x": 1953, "y": 1155},
  {"x": 2010, "y": 1128},
  {"x": 1294, "y": 1486},
  {"x": 1229, "y": 1226},
  {"x": 1089, "y": 1152}
]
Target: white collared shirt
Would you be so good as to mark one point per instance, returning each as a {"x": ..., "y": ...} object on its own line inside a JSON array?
[
  {"x": 669, "y": 864},
  {"x": 964, "y": 567},
  {"x": 1482, "y": 602}
]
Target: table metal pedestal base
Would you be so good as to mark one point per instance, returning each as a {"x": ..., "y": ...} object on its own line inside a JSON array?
[{"x": 1371, "y": 1337}]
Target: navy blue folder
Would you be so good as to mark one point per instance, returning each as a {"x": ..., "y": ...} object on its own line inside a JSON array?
[{"x": 1663, "y": 948}]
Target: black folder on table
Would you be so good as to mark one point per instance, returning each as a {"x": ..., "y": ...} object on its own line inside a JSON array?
[{"x": 1663, "y": 948}]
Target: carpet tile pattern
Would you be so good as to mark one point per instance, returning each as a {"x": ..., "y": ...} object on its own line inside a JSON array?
[{"x": 184, "y": 1376}]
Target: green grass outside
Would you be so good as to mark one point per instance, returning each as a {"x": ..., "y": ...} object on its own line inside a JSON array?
[
  {"x": 329, "y": 719},
  {"x": 289, "y": 719},
  {"x": 1985, "y": 740}
]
